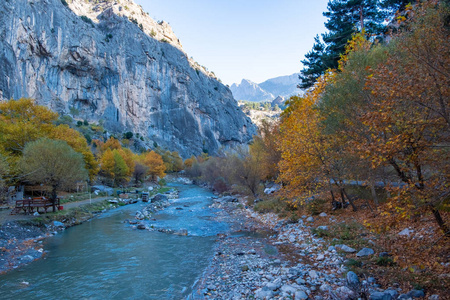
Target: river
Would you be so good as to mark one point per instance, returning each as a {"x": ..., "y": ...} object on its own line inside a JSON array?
[{"x": 106, "y": 258}]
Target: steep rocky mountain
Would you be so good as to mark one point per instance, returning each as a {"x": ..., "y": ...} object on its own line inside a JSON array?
[
  {"x": 250, "y": 91},
  {"x": 108, "y": 60},
  {"x": 279, "y": 101},
  {"x": 284, "y": 86}
]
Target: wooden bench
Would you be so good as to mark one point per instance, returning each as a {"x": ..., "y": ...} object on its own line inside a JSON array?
[
  {"x": 21, "y": 205},
  {"x": 28, "y": 206},
  {"x": 40, "y": 203}
]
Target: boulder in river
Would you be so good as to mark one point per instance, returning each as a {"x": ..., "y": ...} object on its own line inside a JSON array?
[{"x": 159, "y": 197}]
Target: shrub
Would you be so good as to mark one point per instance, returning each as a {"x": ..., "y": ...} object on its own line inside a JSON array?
[
  {"x": 128, "y": 135},
  {"x": 384, "y": 261},
  {"x": 353, "y": 263},
  {"x": 272, "y": 205},
  {"x": 88, "y": 138},
  {"x": 64, "y": 3},
  {"x": 85, "y": 123},
  {"x": 87, "y": 20},
  {"x": 79, "y": 123},
  {"x": 153, "y": 33},
  {"x": 220, "y": 185},
  {"x": 315, "y": 206},
  {"x": 320, "y": 232}
]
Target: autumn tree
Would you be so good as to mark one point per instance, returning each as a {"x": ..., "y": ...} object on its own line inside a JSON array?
[
  {"x": 23, "y": 121},
  {"x": 4, "y": 171},
  {"x": 311, "y": 159},
  {"x": 411, "y": 117},
  {"x": 345, "y": 101},
  {"x": 155, "y": 165},
  {"x": 268, "y": 143},
  {"x": 114, "y": 167},
  {"x": 189, "y": 162},
  {"x": 172, "y": 160},
  {"x": 54, "y": 163}
]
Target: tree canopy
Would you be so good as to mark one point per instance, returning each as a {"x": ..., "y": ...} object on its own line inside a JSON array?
[
  {"x": 53, "y": 163},
  {"x": 344, "y": 19}
]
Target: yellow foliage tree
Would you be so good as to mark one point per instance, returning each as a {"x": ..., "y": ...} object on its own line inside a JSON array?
[
  {"x": 155, "y": 164},
  {"x": 23, "y": 121},
  {"x": 114, "y": 167}
]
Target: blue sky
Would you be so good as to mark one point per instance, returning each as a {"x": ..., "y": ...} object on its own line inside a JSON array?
[{"x": 252, "y": 39}]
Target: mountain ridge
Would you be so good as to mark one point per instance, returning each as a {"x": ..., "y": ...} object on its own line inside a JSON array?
[
  {"x": 269, "y": 90},
  {"x": 112, "y": 70}
]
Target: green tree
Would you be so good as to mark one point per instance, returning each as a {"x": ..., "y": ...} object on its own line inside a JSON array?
[
  {"x": 54, "y": 163},
  {"x": 345, "y": 17},
  {"x": 120, "y": 169},
  {"x": 4, "y": 171}
]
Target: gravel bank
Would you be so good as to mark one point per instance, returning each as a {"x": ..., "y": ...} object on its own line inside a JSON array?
[{"x": 264, "y": 257}]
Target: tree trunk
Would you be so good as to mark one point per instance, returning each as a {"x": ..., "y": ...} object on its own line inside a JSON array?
[
  {"x": 374, "y": 193},
  {"x": 440, "y": 222},
  {"x": 349, "y": 200},
  {"x": 53, "y": 197}
]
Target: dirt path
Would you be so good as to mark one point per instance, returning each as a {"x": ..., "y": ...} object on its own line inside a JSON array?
[{"x": 5, "y": 215}]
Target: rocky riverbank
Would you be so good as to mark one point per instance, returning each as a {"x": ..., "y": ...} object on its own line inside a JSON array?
[{"x": 265, "y": 257}]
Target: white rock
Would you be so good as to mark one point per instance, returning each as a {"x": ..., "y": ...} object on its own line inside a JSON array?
[
  {"x": 406, "y": 232},
  {"x": 344, "y": 292},
  {"x": 300, "y": 295},
  {"x": 320, "y": 257},
  {"x": 313, "y": 274}
]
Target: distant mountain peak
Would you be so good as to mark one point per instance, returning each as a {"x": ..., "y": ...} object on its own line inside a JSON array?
[{"x": 284, "y": 86}]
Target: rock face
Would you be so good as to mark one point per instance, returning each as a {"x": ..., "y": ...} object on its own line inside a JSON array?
[{"x": 122, "y": 68}]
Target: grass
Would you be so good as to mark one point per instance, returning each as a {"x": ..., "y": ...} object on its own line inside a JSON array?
[
  {"x": 271, "y": 205},
  {"x": 80, "y": 197},
  {"x": 353, "y": 263},
  {"x": 320, "y": 232},
  {"x": 385, "y": 261}
]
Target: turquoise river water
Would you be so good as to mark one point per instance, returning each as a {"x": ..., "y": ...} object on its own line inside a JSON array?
[{"x": 106, "y": 259}]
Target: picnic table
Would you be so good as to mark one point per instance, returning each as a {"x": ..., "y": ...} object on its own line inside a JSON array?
[{"x": 28, "y": 206}]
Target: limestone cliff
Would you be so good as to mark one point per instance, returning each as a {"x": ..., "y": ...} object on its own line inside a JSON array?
[{"x": 120, "y": 67}]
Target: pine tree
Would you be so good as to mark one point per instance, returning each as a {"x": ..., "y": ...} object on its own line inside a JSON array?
[
  {"x": 313, "y": 64},
  {"x": 345, "y": 17}
]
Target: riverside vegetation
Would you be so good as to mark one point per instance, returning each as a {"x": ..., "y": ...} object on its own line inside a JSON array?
[{"x": 367, "y": 143}]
